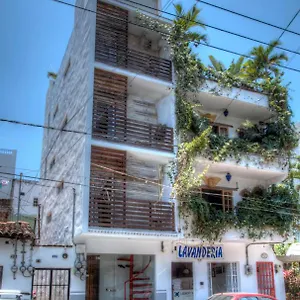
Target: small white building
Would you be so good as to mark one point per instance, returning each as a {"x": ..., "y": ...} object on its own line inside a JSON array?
[
  {"x": 42, "y": 270},
  {"x": 109, "y": 191}
]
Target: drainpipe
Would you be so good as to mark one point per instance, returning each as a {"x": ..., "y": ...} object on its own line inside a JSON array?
[
  {"x": 73, "y": 219},
  {"x": 259, "y": 243}
]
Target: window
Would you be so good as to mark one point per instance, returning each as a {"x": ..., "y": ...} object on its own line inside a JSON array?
[
  {"x": 60, "y": 186},
  {"x": 67, "y": 67},
  {"x": 55, "y": 112},
  {"x": 221, "y": 297},
  {"x": 35, "y": 201},
  {"x": 57, "y": 281},
  {"x": 49, "y": 217},
  {"x": 219, "y": 199},
  {"x": 220, "y": 129},
  {"x": 52, "y": 163},
  {"x": 65, "y": 122}
]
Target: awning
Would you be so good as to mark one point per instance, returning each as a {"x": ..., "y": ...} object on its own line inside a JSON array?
[{"x": 20, "y": 230}]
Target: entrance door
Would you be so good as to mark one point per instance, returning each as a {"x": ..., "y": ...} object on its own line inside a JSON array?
[
  {"x": 265, "y": 278},
  {"x": 51, "y": 284},
  {"x": 120, "y": 277},
  {"x": 182, "y": 281},
  {"x": 92, "y": 281},
  {"x": 223, "y": 277}
]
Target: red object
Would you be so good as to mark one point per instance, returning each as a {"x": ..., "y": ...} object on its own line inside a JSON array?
[
  {"x": 237, "y": 296},
  {"x": 20, "y": 230},
  {"x": 265, "y": 278},
  {"x": 133, "y": 277}
]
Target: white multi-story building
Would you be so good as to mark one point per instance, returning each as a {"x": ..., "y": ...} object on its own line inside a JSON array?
[{"x": 109, "y": 191}]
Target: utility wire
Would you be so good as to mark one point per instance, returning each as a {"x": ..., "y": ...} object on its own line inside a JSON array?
[
  {"x": 196, "y": 43},
  {"x": 210, "y": 26},
  {"x": 245, "y": 16},
  {"x": 292, "y": 20},
  {"x": 143, "y": 179}
]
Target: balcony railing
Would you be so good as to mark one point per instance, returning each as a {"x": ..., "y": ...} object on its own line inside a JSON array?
[
  {"x": 132, "y": 214},
  {"x": 111, "y": 124},
  {"x": 112, "y": 45}
]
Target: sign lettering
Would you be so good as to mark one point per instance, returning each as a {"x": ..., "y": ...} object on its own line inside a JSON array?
[{"x": 212, "y": 252}]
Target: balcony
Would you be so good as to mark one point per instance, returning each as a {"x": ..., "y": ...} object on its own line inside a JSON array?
[
  {"x": 120, "y": 197},
  {"x": 114, "y": 44},
  {"x": 129, "y": 119},
  {"x": 132, "y": 214}
]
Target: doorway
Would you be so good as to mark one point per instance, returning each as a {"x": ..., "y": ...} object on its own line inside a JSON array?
[
  {"x": 182, "y": 281},
  {"x": 223, "y": 277},
  {"x": 120, "y": 277}
]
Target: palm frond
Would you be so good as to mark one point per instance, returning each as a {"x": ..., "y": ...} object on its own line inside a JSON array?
[{"x": 217, "y": 65}]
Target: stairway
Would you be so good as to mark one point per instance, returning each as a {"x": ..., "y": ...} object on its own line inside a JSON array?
[{"x": 140, "y": 286}]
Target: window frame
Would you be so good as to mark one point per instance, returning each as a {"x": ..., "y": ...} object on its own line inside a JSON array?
[
  {"x": 227, "y": 197},
  {"x": 52, "y": 163},
  {"x": 221, "y": 127},
  {"x": 35, "y": 202}
]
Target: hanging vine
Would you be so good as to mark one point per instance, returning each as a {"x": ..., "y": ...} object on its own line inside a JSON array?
[{"x": 277, "y": 207}]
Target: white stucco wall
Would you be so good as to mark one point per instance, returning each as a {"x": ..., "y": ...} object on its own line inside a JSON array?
[
  {"x": 233, "y": 252},
  {"x": 72, "y": 94},
  {"x": 49, "y": 257},
  {"x": 236, "y": 93}
]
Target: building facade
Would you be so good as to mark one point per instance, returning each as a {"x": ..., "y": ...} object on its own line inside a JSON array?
[
  {"x": 7, "y": 169},
  {"x": 110, "y": 193},
  {"x": 29, "y": 201}
]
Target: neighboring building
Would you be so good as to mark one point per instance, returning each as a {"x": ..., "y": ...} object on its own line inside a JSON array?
[
  {"x": 7, "y": 171},
  {"x": 43, "y": 270},
  {"x": 112, "y": 195},
  {"x": 29, "y": 200}
]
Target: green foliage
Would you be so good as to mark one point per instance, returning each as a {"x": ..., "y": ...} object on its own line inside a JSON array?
[
  {"x": 234, "y": 69},
  {"x": 275, "y": 208},
  {"x": 216, "y": 64},
  {"x": 281, "y": 249},
  {"x": 52, "y": 75},
  {"x": 265, "y": 63},
  {"x": 263, "y": 211}
]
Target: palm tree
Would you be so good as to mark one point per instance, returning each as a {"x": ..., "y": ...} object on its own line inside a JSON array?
[
  {"x": 187, "y": 21},
  {"x": 234, "y": 69},
  {"x": 265, "y": 62},
  {"x": 216, "y": 64}
]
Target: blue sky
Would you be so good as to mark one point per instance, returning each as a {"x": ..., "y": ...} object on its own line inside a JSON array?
[{"x": 34, "y": 36}]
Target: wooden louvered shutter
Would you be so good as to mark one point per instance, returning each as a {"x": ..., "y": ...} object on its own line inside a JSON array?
[
  {"x": 110, "y": 106},
  {"x": 111, "y": 35},
  {"x": 107, "y": 187}
]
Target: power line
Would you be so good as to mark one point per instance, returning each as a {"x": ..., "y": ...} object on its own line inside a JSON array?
[
  {"x": 166, "y": 34},
  {"x": 292, "y": 20},
  {"x": 211, "y": 26},
  {"x": 140, "y": 179},
  {"x": 245, "y": 16}
]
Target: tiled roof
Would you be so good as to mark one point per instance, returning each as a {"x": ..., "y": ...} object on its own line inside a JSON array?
[{"x": 12, "y": 230}]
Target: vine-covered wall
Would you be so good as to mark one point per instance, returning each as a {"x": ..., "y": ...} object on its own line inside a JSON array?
[{"x": 273, "y": 209}]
